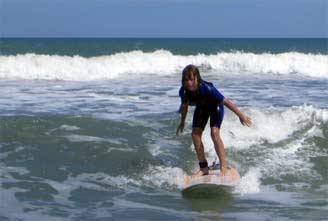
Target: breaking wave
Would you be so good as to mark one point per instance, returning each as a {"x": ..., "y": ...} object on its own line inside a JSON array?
[{"x": 160, "y": 62}]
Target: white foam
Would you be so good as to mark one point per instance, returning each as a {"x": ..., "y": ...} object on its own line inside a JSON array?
[
  {"x": 293, "y": 159},
  {"x": 89, "y": 180},
  {"x": 161, "y": 176},
  {"x": 84, "y": 138},
  {"x": 249, "y": 183},
  {"x": 321, "y": 115},
  {"x": 160, "y": 62},
  {"x": 69, "y": 127},
  {"x": 315, "y": 132}
]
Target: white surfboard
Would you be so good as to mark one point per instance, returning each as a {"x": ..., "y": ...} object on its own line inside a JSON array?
[{"x": 211, "y": 181}]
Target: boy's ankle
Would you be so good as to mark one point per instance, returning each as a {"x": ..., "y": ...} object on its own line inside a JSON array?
[
  {"x": 203, "y": 167},
  {"x": 204, "y": 171}
]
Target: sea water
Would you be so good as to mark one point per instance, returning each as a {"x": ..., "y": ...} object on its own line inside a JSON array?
[{"x": 87, "y": 128}]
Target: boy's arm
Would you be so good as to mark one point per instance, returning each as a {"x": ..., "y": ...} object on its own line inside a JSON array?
[
  {"x": 244, "y": 120},
  {"x": 183, "y": 111}
]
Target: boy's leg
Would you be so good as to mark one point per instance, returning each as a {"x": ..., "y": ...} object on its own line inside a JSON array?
[
  {"x": 199, "y": 147},
  {"x": 215, "y": 123},
  {"x": 219, "y": 148},
  {"x": 199, "y": 122}
]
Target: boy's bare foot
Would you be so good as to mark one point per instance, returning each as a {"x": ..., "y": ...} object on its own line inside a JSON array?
[
  {"x": 224, "y": 171},
  {"x": 202, "y": 172}
]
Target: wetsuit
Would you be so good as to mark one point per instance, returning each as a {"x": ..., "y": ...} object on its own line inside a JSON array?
[{"x": 207, "y": 100}]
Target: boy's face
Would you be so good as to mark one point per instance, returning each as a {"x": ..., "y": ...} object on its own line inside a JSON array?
[{"x": 191, "y": 83}]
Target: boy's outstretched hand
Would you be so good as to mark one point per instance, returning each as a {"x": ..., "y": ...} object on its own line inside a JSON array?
[{"x": 246, "y": 121}]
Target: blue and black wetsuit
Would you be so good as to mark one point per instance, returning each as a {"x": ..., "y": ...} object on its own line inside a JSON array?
[{"x": 209, "y": 104}]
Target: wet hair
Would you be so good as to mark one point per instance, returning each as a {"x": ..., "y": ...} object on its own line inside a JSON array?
[{"x": 190, "y": 71}]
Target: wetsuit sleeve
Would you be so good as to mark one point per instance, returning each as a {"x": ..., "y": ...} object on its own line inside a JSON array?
[
  {"x": 217, "y": 95},
  {"x": 209, "y": 90}
]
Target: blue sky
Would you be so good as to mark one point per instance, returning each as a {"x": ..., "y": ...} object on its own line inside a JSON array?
[{"x": 164, "y": 18}]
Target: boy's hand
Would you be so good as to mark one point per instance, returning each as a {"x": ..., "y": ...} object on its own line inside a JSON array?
[
  {"x": 180, "y": 128},
  {"x": 246, "y": 121}
]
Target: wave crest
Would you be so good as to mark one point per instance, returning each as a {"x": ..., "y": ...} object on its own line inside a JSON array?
[{"x": 160, "y": 62}]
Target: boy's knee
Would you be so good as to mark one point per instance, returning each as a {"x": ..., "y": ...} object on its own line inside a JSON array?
[
  {"x": 196, "y": 133},
  {"x": 215, "y": 133}
]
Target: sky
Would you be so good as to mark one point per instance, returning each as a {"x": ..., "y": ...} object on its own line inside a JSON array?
[{"x": 164, "y": 18}]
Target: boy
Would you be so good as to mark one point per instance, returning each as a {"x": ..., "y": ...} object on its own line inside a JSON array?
[{"x": 196, "y": 91}]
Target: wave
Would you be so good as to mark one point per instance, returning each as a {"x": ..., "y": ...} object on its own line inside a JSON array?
[
  {"x": 160, "y": 62},
  {"x": 281, "y": 143},
  {"x": 270, "y": 126}
]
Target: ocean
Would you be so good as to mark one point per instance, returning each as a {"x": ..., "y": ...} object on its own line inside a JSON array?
[{"x": 87, "y": 129}]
